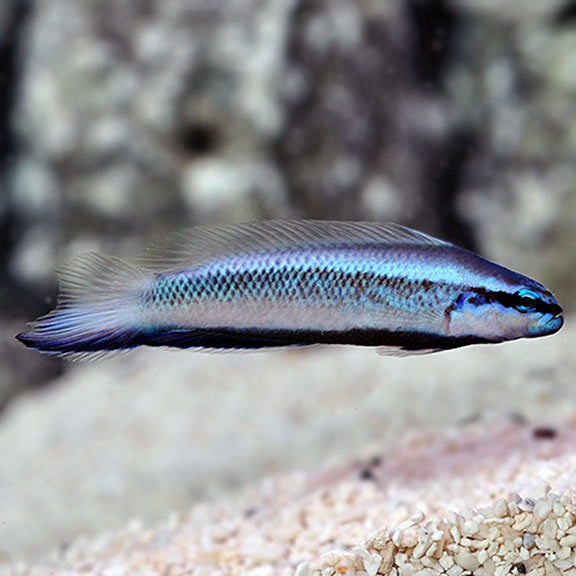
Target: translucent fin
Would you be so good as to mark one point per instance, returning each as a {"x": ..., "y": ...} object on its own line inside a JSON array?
[
  {"x": 194, "y": 246},
  {"x": 95, "y": 309},
  {"x": 93, "y": 278},
  {"x": 401, "y": 352}
]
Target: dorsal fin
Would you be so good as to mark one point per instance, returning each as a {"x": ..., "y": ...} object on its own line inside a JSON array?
[{"x": 194, "y": 246}]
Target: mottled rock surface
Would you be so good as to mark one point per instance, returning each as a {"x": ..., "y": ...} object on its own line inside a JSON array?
[
  {"x": 6, "y": 9},
  {"x": 151, "y": 115}
]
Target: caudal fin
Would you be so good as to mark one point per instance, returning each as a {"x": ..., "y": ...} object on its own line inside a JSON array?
[{"x": 96, "y": 310}]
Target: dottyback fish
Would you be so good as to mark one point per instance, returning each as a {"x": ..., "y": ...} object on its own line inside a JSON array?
[{"x": 293, "y": 283}]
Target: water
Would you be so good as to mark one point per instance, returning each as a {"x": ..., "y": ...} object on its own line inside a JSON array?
[{"x": 122, "y": 121}]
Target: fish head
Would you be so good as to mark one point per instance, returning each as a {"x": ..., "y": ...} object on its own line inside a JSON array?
[{"x": 509, "y": 312}]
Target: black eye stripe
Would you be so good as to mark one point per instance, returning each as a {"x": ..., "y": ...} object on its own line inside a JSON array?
[
  {"x": 514, "y": 301},
  {"x": 483, "y": 296}
]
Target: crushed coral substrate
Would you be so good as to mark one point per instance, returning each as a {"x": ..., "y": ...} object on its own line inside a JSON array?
[{"x": 487, "y": 499}]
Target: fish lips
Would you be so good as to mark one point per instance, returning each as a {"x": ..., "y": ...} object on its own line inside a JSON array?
[{"x": 548, "y": 324}]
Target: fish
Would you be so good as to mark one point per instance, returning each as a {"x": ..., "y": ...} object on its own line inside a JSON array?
[{"x": 282, "y": 283}]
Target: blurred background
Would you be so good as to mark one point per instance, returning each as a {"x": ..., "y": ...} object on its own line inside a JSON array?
[{"x": 123, "y": 119}]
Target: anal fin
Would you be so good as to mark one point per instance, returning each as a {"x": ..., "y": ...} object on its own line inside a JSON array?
[{"x": 400, "y": 352}]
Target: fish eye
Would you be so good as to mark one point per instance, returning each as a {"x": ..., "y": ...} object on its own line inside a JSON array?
[{"x": 526, "y": 301}]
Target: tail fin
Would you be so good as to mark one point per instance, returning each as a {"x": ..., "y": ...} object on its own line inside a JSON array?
[{"x": 96, "y": 309}]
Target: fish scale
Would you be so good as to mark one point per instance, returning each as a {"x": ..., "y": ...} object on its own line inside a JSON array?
[{"x": 323, "y": 282}]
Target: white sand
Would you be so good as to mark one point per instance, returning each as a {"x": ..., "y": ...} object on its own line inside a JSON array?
[{"x": 485, "y": 499}]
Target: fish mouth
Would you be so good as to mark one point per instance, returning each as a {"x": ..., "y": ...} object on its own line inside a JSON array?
[
  {"x": 548, "y": 324},
  {"x": 553, "y": 323}
]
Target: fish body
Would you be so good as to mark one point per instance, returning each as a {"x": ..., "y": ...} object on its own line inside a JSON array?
[{"x": 282, "y": 283}]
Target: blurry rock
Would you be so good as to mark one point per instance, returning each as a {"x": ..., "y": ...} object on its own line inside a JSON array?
[
  {"x": 513, "y": 10},
  {"x": 6, "y": 9},
  {"x": 365, "y": 129},
  {"x": 123, "y": 106},
  {"x": 157, "y": 430},
  {"x": 14, "y": 18}
]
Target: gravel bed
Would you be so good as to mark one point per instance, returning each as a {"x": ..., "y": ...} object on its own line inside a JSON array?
[{"x": 490, "y": 498}]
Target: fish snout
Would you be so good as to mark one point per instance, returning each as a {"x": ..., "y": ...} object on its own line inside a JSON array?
[{"x": 549, "y": 324}]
